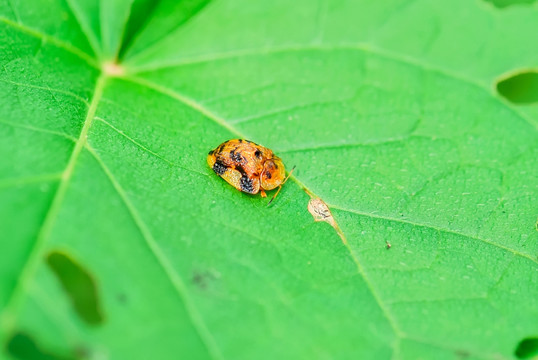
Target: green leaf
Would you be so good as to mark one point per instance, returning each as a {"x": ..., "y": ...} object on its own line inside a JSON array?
[{"x": 388, "y": 109}]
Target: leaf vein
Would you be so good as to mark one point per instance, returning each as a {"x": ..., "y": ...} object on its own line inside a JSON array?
[
  {"x": 38, "y": 129},
  {"x": 439, "y": 229},
  {"x": 90, "y": 36},
  {"x": 142, "y": 147},
  {"x": 24, "y": 180},
  {"x": 51, "y": 90},
  {"x": 52, "y": 40}
]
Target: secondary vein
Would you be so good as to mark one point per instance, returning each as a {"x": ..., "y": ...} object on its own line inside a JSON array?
[
  {"x": 442, "y": 230},
  {"x": 52, "y": 40},
  {"x": 364, "y": 47}
]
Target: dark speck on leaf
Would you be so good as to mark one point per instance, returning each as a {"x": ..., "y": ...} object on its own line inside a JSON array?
[
  {"x": 462, "y": 354},
  {"x": 199, "y": 279},
  {"x": 122, "y": 298},
  {"x": 203, "y": 279}
]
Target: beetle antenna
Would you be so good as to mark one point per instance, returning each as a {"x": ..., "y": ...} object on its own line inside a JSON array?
[{"x": 280, "y": 187}]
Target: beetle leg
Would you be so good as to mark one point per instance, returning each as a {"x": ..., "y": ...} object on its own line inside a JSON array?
[
  {"x": 262, "y": 193},
  {"x": 280, "y": 187}
]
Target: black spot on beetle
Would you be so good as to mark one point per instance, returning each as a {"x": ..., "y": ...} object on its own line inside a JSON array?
[
  {"x": 271, "y": 165},
  {"x": 268, "y": 174},
  {"x": 246, "y": 184},
  {"x": 219, "y": 168},
  {"x": 241, "y": 170},
  {"x": 210, "y": 153},
  {"x": 236, "y": 156},
  {"x": 240, "y": 140},
  {"x": 258, "y": 154}
]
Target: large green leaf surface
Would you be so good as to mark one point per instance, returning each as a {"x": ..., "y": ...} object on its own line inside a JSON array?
[{"x": 388, "y": 110}]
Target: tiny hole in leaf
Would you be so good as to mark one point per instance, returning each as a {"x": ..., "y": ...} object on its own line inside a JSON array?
[
  {"x": 527, "y": 348},
  {"x": 505, "y": 3},
  {"x": 79, "y": 286},
  {"x": 521, "y": 88},
  {"x": 23, "y": 347}
]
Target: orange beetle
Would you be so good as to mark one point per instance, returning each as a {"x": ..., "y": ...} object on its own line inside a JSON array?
[{"x": 248, "y": 167}]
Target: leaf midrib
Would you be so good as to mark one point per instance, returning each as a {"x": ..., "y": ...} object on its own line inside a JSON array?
[{"x": 30, "y": 267}]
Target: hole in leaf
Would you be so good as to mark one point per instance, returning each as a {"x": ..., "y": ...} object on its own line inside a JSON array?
[
  {"x": 79, "y": 286},
  {"x": 521, "y": 88},
  {"x": 23, "y": 347},
  {"x": 527, "y": 348},
  {"x": 505, "y": 3}
]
